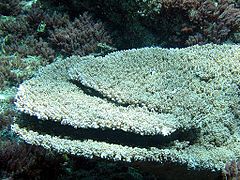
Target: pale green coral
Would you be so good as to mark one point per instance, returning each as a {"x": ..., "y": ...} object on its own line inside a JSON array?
[
  {"x": 60, "y": 94},
  {"x": 198, "y": 85},
  {"x": 146, "y": 91}
]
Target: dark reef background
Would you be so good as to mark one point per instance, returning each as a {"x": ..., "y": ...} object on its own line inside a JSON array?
[{"x": 35, "y": 33}]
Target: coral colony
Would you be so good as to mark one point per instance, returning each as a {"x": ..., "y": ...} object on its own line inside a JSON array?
[
  {"x": 139, "y": 94},
  {"x": 98, "y": 89}
]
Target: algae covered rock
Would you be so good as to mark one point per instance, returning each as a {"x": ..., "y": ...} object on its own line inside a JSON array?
[{"x": 148, "y": 104}]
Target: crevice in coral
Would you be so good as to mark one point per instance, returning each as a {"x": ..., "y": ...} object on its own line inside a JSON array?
[
  {"x": 107, "y": 135},
  {"x": 92, "y": 92}
]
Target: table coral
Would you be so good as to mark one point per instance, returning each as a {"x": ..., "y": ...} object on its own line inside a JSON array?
[{"x": 149, "y": 104}]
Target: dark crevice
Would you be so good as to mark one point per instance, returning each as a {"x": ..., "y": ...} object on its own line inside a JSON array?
[
  {"x": 92, "y": 92},
  {"x": 106, "y": 135}
]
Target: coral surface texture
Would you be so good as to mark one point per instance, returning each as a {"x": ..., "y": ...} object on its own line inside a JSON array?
[{"x": 148, "y": 104}]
